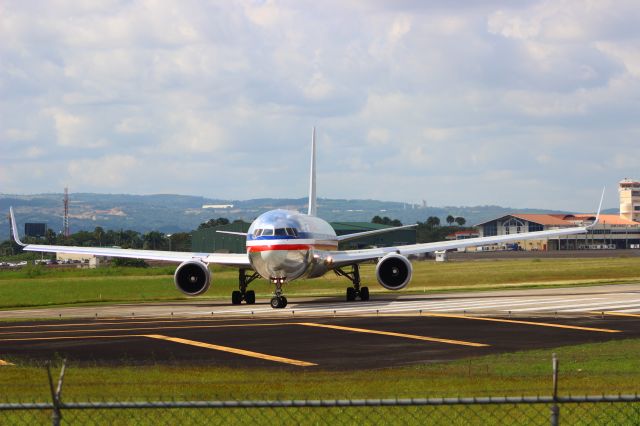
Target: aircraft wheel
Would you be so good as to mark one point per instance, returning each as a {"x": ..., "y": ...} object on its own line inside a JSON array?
[
  {"x": 276, "y": 302},
  {"x": 250, "y": 297},
  {"x": 236, "y": 297},
  {"x": 364, "y": 293},
  {"x": 283, "y": 302},
  {"x": 351, "y": 294}
]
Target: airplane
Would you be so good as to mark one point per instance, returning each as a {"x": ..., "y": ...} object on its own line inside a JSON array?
[{"x": 283, "y": 246}]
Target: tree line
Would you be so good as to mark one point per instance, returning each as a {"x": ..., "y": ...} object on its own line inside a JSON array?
[{"x": 430, "y": 230}]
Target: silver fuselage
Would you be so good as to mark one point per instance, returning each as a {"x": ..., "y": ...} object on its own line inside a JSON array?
[{"x": 286, "y": 245}]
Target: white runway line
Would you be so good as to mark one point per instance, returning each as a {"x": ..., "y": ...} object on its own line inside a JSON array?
[
  {"x": 515, "y": 304},
  {"x": 579, "y": 306},
  {"x": 502, "y": 304},
  {"x": 606, "y": 307},
  {"x": 629, "y": 311}
]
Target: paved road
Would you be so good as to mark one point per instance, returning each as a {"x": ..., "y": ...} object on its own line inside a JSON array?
[{"x": 554, "y": 301}]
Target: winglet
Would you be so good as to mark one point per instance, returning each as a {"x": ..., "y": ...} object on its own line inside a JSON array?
[
  {"x": 14, "y": 228},
  {"x": 312, "y": 177},
  {"x": 595, "y": 222}
]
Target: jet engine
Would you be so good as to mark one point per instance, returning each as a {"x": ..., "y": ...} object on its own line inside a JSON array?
[
  {"x": 394, "y": 271},
  {"x": 192, "y": 278}
]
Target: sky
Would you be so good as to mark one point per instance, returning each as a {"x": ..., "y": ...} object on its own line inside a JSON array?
[{"x": 515, "y": 103}]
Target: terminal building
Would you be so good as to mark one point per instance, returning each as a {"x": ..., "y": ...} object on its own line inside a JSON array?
[{"x": 614, "y": 231}]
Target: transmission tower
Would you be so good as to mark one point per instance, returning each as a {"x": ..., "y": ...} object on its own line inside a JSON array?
[{"x": 65, "y": 218}]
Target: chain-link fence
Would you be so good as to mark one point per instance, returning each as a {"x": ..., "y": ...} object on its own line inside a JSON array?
[
  {"x": 520, "y": 410},
  {"x": 588, "y": 410}
]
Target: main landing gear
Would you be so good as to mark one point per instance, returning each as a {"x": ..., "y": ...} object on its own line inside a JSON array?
[
  {"x": 278, "y": 301},
  {"x": 239, "y": 295},
  {"x": 356, "y": 291}
]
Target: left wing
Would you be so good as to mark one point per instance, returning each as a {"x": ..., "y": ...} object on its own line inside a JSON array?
[{"x": 228, "y": 259}]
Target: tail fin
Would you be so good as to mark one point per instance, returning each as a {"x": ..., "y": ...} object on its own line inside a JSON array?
[{"x": 312, "y": 178}]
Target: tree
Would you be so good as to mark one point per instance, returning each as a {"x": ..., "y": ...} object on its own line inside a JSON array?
[
  {"x": 460, "y": 221},
  {"x": 153, "y": 240},
  {"x": 212, "y": 223},
  {"x": 98, "y": 234},
  {"x": 180, "y": 241},
  {"x": 386, "y": 221},
  {"x": 433, "y": 221},
  {"x": 450, "y": 220},
  {"x": 50, "y": 236}
]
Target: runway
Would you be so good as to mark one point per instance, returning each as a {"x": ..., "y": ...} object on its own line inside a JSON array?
[
  {"x": 622, "y": 299},
  {"x": 328, "y": 343},
  {"x": 325, "y": 333}
]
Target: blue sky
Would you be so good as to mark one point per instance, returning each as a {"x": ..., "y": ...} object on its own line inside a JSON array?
[{"x": 522, "y": 104}]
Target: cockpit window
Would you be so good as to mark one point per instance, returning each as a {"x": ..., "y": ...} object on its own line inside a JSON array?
[
  {"x": 280, "y": 232},
  {"x": 267, "y": 232},
  {"x": 257, "y": 232},
  {"x": 291, "y": 232}
]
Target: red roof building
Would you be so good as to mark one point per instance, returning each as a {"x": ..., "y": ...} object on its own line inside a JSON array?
[{"x": 612, "y": 231}]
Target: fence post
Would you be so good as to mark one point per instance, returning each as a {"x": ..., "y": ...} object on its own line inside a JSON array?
[
  {"x": 555, "y": 409},
  {"x": 56, "y": 416}
]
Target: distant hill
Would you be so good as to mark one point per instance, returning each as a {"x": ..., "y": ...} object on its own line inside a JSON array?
[{"x": 182, "y": 213}]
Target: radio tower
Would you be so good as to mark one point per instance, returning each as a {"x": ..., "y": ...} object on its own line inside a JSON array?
[{"x": 65, "y": 219}]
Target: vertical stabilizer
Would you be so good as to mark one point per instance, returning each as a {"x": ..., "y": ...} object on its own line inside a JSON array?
[{"x": 312, "y": 177}]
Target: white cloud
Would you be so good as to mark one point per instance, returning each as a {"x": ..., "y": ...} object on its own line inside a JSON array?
[
  {"x": 406, "y": 96},
  {"x": 74, "y": 130},
  {"x": 105, "y": 173}
]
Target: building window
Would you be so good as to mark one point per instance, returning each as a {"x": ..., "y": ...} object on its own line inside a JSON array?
[
  {"x": 491, "y": 229},
  {"x": 535, "y": 227},
  {"x": 636, "y": 208},
  {"x": 513, "y": 226}
]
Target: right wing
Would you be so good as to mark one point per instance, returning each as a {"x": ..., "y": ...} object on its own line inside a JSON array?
[
  {"x": 240, "y": 260},
  {"x": 346, "y": 257},
  {"x": 355, "y": 256}
]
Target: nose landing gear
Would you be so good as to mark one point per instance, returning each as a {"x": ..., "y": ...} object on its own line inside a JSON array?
[{"x": 278, "y": 301}]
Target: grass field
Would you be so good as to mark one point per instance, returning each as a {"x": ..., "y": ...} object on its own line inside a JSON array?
[
  {"x": 42, "y": 286},
  {"x": 610, "y": 367}
]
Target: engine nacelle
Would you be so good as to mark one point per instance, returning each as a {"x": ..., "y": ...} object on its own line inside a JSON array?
[
  {"x": 192, "y": 278},
  {"x": 394, "y": 271}
]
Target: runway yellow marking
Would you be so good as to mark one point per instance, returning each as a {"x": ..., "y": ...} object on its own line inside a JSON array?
[
  {"x": 232, "y": 350},
  {"x": 3, "y": 362},
  {"x": 539, "y": 324},
  {"x": 177, "y": 340},
  {"x": 390, "y": 333},
  {"x": 616, "y": 314}
]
